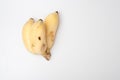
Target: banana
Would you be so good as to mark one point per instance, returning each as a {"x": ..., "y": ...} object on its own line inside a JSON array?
[
  {"x": 39, "y": 36},
  {"x": 26, "y": 34},
  {"x": 51, "y": 23},
  {"x": 38, "y": 39},
  {"x": 34, "y": 37}
]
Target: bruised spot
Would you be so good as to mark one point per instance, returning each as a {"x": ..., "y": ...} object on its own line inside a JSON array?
[
  {"x": 43, "y": 48},
  {"x": 43, "y": 45},
  {"x": 52, "y": 35},
  {"x": 33, "y": 45}
]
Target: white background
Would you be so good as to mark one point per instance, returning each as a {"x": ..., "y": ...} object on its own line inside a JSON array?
[{"x": 87, "y": 46}]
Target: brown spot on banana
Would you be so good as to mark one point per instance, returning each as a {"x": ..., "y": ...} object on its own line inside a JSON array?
[
  {"x": 33, "y": 45},
  {"x": 52, "y": 35},
  {"x": 43, "y": 48}
]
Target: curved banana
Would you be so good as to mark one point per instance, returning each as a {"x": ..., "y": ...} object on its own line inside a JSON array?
[
  {"x": 51, "y": 23},
  {"x": 39, "y": 36},
  {"x": 38, "y": 39},
  {"x": 34, "y": 37},
  {"x": 26, "y": 34}
]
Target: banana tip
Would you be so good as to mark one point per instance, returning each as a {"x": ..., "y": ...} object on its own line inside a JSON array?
[
  {"x": 31, "y": 18},
  {"x": 41, "y": 20},
  {"x": 56, "y": 12},
  {"x": 47, "y": 57}
]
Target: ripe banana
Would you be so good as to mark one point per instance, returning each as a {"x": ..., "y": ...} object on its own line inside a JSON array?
[
  {"x": 26, "y": 34},
  {"x": 34, "y": 37},
  {"x": 51, "y": 23},
  {"x": 38, "y": 39},
  {"x": 39, "y": 36}
]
